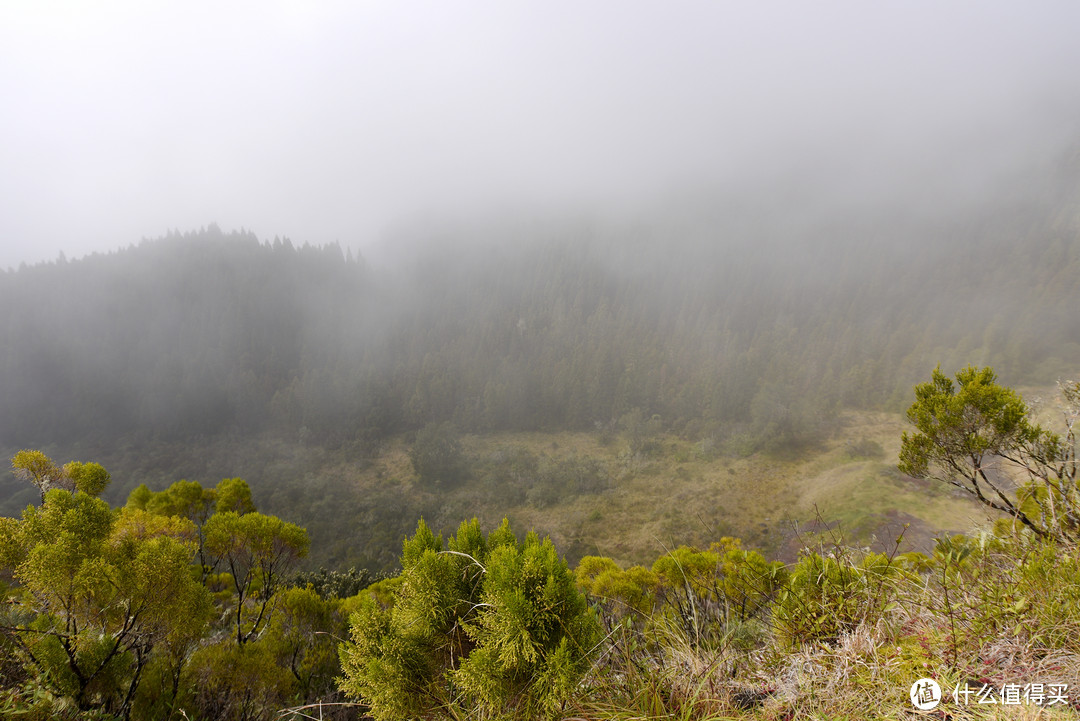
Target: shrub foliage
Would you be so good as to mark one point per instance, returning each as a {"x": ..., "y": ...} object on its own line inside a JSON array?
[{"x": 487, "y": 625}]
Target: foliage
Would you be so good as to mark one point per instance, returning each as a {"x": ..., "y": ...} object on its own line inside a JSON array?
[
  {"x": 830, "y": 594},
  {"x": 188, "y": 499},
  {"x": 257, "y": 551},
  {"x": 973, "y": 433},
  {"x": 90, "y": 478},
  {"x": 303, "y": 634},
  {"x": 711, "y": 590},
  {"x": 383, "y": 593},
  {"x": 112, "y": 614},
  {"x": 334, "y": 584},
  {"x": 488, "y": 625},
  {"x": 39, "y": 469},
  {"x": 237, "y": 682},
  {"x": 233, "y": 494},
  {"x": 102, "y": 590},
  {"x": 106, "y": 616},
  {"x": 631, "y": 592},
  {"x": 437, "y": 456}
]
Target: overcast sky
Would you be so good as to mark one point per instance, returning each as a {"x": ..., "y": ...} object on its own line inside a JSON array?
[{"x": 341, "y": 120}]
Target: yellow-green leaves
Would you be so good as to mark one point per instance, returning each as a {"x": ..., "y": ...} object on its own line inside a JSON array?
[
  {"x": 90, "y": 478},
  {"x": 183, "y": 498},
  {"x": 256, "y": 550},
  {"x": 134, "y": 526},
  {"x": 233, "y": 494},
  {"x": 958, "y": 425},
  {"x": 112, "y": 615},
  {"x": 264, "y": 541},
  {"x": 39, "y": 469},
  {"x": 36, "y": 467},
  {"x": 103, "y": 589},
  {"x": 473, "y": 626},
  {"x": 973, "y": 433}
]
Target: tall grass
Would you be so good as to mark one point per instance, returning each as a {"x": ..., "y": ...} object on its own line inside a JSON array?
[{"x": 848, "y": 634}]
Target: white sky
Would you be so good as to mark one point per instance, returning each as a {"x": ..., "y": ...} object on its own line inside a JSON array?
[{"x": 338, "y": 120}]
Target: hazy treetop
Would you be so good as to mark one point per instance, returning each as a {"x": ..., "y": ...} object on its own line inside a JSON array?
[{"x": 342, "y": 120}]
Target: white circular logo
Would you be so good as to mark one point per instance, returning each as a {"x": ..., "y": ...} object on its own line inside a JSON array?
[{"x": 925, "y": 694}]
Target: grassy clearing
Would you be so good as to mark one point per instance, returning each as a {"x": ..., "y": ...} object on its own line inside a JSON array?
[
  {"x": 679, "y": 495},
  {"x": 359, "y": 503}
]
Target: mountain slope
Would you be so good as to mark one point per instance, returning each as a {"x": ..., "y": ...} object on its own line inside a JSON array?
[{"x": 739, "y": 324}]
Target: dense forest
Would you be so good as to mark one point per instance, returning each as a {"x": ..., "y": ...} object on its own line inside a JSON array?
[
  {"x": 183, "y": 604},
  {"x": 385, "y": 362},
  {"x": 680, "y": 357},
  {"x": 717, "y": 320},
  {"x": 743, "y": 321}
]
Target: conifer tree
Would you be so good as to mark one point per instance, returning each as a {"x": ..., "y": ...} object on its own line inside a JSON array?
[{"x": 479, "y": 625}]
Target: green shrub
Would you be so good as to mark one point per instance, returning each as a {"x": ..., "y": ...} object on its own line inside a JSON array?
[
  {"x": 481, "y": 625},
  {"x": 827, "y": 595},
  {"x": 630, "y": 592},
  {"x": 716, "y": 588},
  {"x": 1046, "y": 598},
  {"x": 238, "y": 683},
  {"x": 864, "y": 448},
  {"x": 334, "y": 584},
  {"x": 437, "y": 456}
]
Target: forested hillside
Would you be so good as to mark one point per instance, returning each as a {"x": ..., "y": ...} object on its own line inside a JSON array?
[
  {"x": 740, "y": 322},
  {"x": 720, "y": 320},
  {"x": 183, "y": 603}
]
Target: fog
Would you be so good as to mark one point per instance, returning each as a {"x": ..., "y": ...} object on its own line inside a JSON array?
[{"x": 343, "y": 121}]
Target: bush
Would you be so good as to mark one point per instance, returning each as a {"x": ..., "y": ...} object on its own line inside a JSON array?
[
  {"x": 334, "y": 584},
  {"x": 864, "y": 448},
  {"x": 238, "y": 683},
  {"x": 565, "y": 477},
  {"x": 437, "y": 456},
  {"x": 827, "y": 595},
  {"x": 708, "y": 591},
  {"x": 481, "y": 626}
]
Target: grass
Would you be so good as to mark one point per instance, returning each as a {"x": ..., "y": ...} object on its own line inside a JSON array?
[
  {"x": 683, "y": 497},
  {"x": 678, "y": 495},
  {"x": 1009, "y": 615},
  {"x": 867, "y": 670}
]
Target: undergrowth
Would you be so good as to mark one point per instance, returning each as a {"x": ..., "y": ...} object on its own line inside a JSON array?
[{"x": 842, "y": 634}]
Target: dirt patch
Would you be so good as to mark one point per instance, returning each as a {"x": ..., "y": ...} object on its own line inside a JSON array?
[{"x": 879, "y": 532}]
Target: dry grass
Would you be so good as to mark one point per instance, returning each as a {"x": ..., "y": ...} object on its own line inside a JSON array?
[
  {"x": 977, "y": 636},
  {"x": 682, "y": 496}
]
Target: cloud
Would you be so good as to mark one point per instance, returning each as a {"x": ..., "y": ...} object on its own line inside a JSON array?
[{"x": 334, "y": 121}]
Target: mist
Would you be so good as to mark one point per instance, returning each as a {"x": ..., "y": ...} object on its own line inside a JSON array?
[{"x": 345, "y": 123}]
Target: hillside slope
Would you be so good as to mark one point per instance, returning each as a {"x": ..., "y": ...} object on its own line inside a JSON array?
[{"x": 739, "y": 329}]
